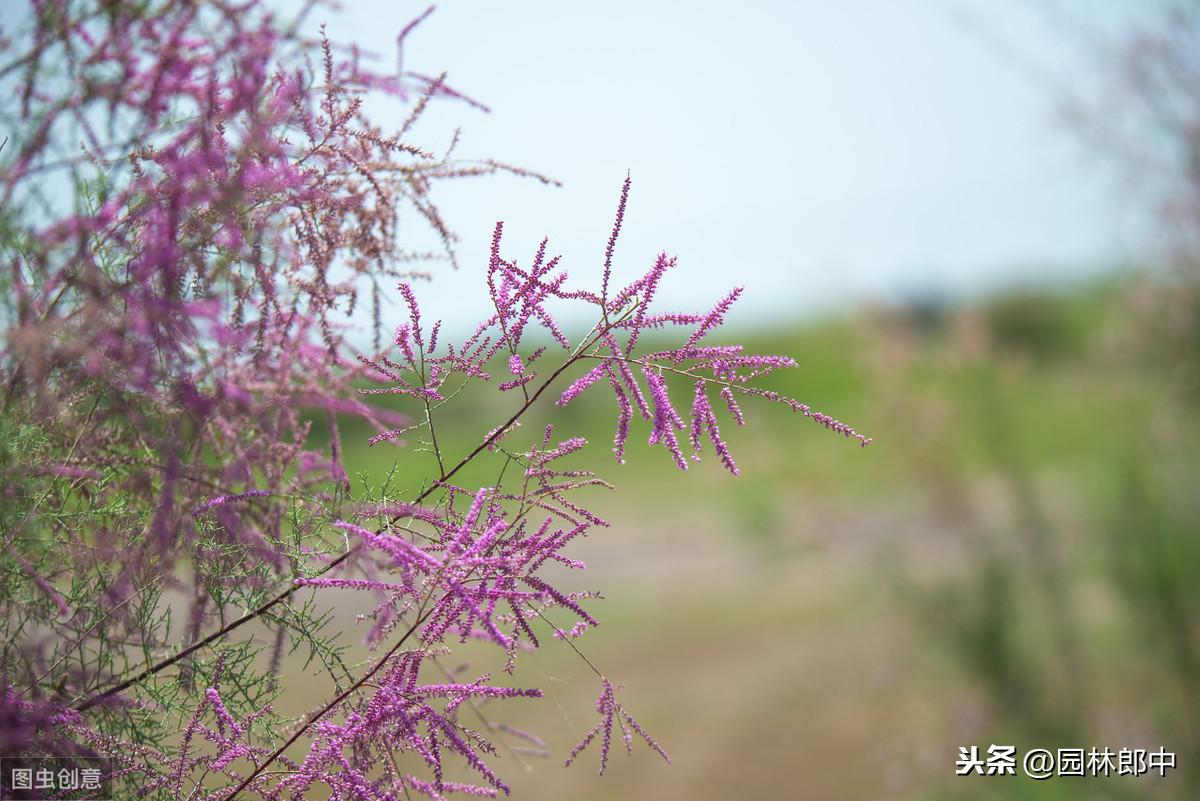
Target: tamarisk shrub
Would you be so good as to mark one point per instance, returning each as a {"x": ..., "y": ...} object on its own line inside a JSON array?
[{"x": 191, "y": 210}]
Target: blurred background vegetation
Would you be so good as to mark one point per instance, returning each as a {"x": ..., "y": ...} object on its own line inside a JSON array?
[{"x": 1015, "y": 560}]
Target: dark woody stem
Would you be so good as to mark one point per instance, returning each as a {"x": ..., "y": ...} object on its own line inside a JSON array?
[{"x": 259, "y": 611}]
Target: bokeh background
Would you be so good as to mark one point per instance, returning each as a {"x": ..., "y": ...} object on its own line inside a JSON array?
[{"x": 973, "y": 225}]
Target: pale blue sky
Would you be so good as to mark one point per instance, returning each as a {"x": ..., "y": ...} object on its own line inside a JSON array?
[{"x": 821, "y": 154}]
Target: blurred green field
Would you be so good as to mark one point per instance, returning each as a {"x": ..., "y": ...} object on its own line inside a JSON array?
[{"x": 1014, "y": 560}]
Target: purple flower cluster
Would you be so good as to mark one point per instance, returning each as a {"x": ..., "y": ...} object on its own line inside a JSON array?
[
  {"x": 474, "y": 573},
  {"x": 174, "y": 360},
  {"x": 612, "y": 712}
]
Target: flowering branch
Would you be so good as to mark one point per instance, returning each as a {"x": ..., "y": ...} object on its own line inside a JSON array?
[
  {"x": 284, "y": 595},
  {"x": 175, "y": 340}
]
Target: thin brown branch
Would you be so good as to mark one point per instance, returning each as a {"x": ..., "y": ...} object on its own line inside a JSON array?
[
  {"x": 254, "y": 614},
  {"x": 331, "y": 705}
]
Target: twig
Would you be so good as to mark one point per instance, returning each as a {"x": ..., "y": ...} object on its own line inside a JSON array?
[{"x": 161, "y": 665}]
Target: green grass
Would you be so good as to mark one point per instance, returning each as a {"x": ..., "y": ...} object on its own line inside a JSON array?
[{"x": 828, "y": 625}]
